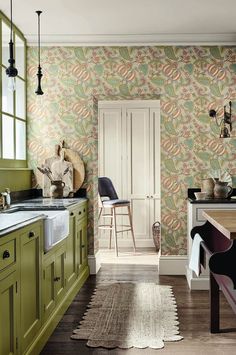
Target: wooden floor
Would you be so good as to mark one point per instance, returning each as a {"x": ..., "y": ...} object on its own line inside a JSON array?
[{"x": 193, "y": 310}]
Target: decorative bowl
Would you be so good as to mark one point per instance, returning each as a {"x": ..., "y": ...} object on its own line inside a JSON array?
[{"x": 200, "y": 195}]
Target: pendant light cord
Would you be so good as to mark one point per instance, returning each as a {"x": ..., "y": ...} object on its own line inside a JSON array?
[
  {"x": 39, "y": 12},
  {"x": 11, "y": 19},
  {"x": 39, "y": 90}
]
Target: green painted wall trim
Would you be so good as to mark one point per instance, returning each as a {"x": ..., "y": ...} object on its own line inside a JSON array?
[
  {"x": 15, "y": 179},
  {"x": 12, "y": 163}
]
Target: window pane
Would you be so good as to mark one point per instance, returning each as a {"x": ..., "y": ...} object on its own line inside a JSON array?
[
  {"x": 20, "y": 140},
  {"x": 5, "y": 43},
  {"x": 20, "y": 98},
  {"x": 7, "y": 137},
  {"x": 20, "y": 57},
  {"x": 7, "y": 95}
]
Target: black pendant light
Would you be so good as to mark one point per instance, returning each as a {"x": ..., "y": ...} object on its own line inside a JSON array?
[
  {"x": 11, "y": 71},
  {"x": 39, "y": 90}
]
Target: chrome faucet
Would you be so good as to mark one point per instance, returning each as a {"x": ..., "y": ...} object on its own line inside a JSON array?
[
  {"x": 2, "y": 201},
  {"x": 5, "y": 199}
]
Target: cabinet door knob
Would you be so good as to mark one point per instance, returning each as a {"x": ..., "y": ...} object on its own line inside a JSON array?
[
  {"x": 147, "y": 196},
  {"x": 72, "y": 214},
  {"x": 82, "y": 246},
  {"x": 79, "y": 212},
  {"x": 151, "y": 196},
  {"x": 84, "y": 209},
  {"x": 57, "y": 278},
  {"x": 31, "y": 234},
  {"x": 6, "y": 254}
]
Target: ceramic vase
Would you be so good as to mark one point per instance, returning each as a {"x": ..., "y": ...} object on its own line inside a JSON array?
[
  {"x": 208, "y": 187},
  {"x": 56, "y": 189},
  {"x": 222, "y": 190}
]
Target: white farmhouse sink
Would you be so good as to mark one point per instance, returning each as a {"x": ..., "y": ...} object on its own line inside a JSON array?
[
  {"x": 56, "y": 223},
  {"x": 56, "y": 227}
]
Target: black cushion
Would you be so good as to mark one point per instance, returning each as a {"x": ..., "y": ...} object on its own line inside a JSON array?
[{"x": 115, "y": 202}]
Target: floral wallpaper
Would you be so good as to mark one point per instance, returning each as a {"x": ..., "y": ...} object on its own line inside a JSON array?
[{"x": 188, "y": 80}]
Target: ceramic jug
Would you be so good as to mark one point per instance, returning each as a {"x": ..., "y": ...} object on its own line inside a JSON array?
[
  {"x": 222, "y": 190},
  {"x": 208, "y": 187},
  {"x": 56, "y": 189}
]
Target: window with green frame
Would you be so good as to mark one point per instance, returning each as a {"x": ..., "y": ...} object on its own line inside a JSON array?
[{"x": 12, "y": 103}]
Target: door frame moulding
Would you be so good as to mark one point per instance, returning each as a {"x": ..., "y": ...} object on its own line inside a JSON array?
[{"x": 139, "y": 103}]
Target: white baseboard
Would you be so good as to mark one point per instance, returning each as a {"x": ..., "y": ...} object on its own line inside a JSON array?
[
  {"x": 94, "y": 263},
  {"x": 173, "y": 264},
  {"x": 197, "y": 283},
  {"x": 127, "y": 243}
]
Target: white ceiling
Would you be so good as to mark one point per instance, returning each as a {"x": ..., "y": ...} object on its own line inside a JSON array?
[{"x": 95, "y": 22}]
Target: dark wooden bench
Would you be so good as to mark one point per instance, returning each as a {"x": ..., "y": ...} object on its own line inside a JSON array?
[{"x": 219, "y": 252}]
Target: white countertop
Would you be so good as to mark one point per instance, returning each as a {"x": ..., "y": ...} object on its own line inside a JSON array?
[{"x": 12, "y": 221}]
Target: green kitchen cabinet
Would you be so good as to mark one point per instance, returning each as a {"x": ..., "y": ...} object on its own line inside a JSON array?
[
  {"x": 30, "y": 282},
  {"x": 49, "y": 299},
  {"x": 36, "y": 287},
  {"x": 71, "y": 267},
  {"x": 54, "y": 278},
  {"x": 9, "y": 294},
  {"x": 82, "y": 244},
  {"x": 9, "y": 313},
  {"x": 77, "y": 249},
  {"x": 60, "y": 280}
]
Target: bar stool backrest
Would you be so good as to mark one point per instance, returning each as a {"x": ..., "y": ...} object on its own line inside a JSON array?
[{"x": 106, "y": 188}]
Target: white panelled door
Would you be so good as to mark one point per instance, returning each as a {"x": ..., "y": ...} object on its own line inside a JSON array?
[
  {"x": 138, "y": 169},
  {"x": 110, "y": 143},
  {"x": 129, "y": 154}
]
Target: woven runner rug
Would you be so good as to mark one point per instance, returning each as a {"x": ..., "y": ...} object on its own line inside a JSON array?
[{"x": 126, "y": 315}]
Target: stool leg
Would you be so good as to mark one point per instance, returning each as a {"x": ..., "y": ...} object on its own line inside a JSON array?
[
  {"x": 111, "y": 223},
  {"x": 114, "y": 229},
  {"x": 131, "y": 226}
]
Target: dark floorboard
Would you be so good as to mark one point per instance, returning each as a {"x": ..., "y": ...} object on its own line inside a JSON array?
[{"x": 193, "y": 311}]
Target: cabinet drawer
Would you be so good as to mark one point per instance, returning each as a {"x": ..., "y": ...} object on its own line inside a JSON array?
[
  {"x": 30, "y": 232},
  {"x": 7, "y": 254}
]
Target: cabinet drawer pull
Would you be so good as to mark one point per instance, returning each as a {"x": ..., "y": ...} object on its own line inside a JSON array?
[
  {"x": 72, "y": 214},
  {"x": 79, "y": 212},
  {"x": 6, "y": 254},
  {"x": 57, "y": 278},
  {"x": 84, "y": 209},
  {"x": 31, "y": 234},
  {"x": 83, "y": 246}
]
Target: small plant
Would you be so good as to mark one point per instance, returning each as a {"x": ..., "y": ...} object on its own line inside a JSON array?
[{"x": 47, "y": 171}]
